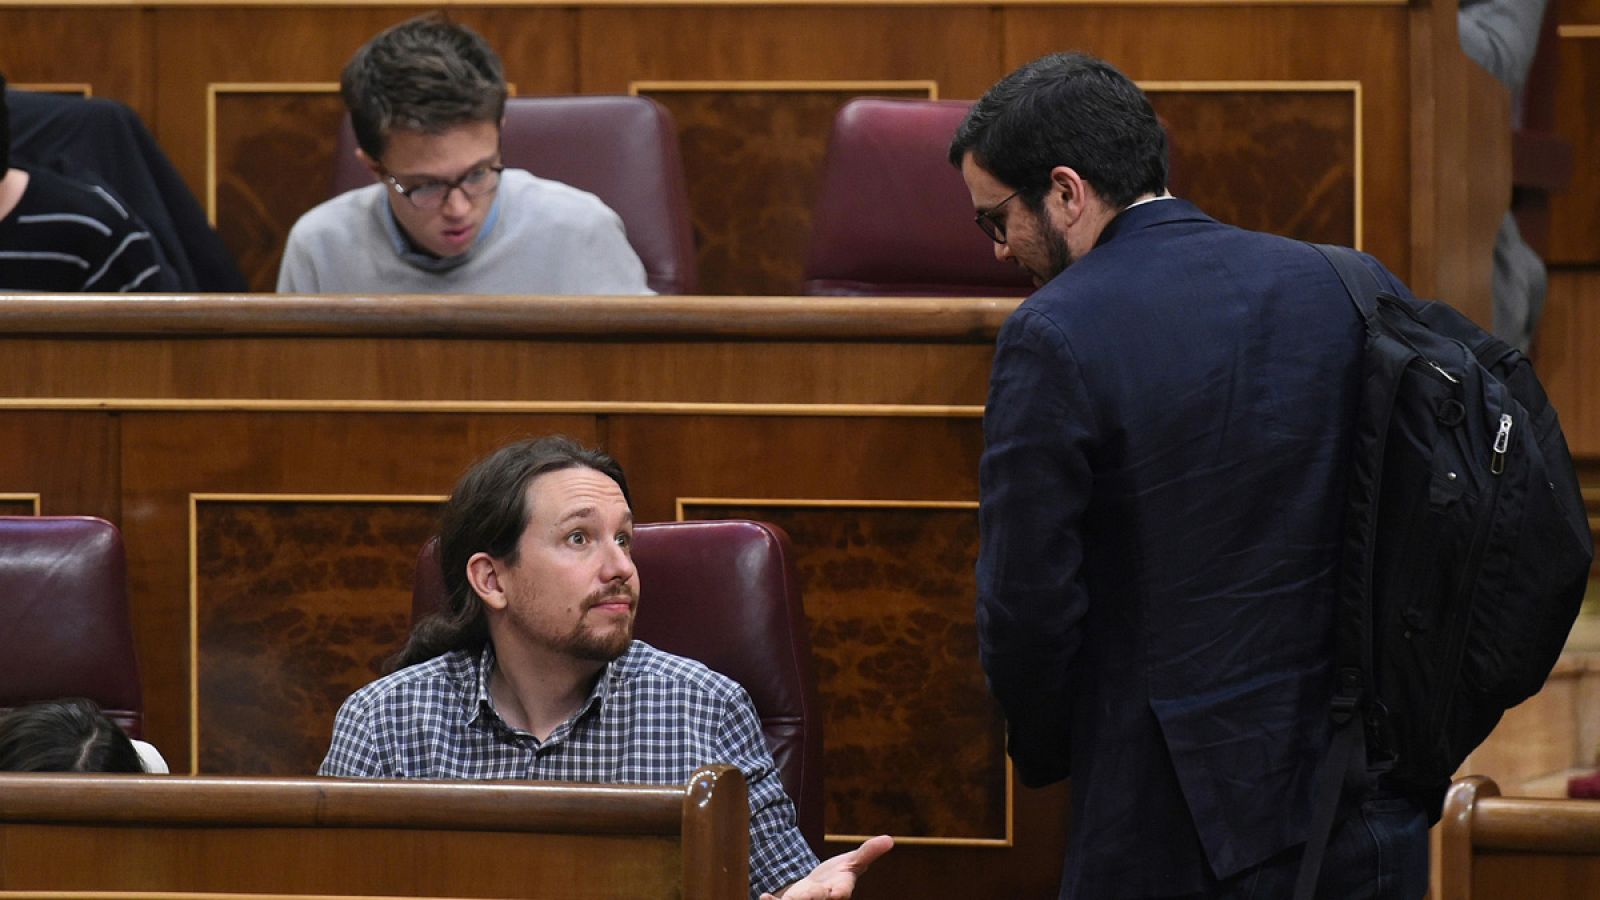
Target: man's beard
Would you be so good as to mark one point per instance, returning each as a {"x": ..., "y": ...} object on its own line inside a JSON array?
[
  {"x": 584, "y": 641},
  {"x": 1061, "y": 256}
]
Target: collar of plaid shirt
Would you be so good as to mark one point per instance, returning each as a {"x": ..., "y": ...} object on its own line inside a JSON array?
[{"x": 480, "y": 710}]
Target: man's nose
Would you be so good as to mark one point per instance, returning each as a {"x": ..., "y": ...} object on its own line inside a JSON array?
[
  {"x": 618, "y": 564},
  {"x": 456, "y": 202},
  {"x": 1002, "y": 252}
]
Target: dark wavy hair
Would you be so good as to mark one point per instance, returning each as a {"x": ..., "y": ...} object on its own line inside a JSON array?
[
  {"x": 487, "y": 513},
  {"x": 426, "y": 74},
  {"x": 64, "y": 736},
  {"x": 1067, "y": 109}
]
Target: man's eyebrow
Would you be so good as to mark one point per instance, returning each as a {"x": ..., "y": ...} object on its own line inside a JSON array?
[
  {"x": 426, "y": 176},
  {"x": 589, "y": 512},
  {"x": 583, "y": 512}
]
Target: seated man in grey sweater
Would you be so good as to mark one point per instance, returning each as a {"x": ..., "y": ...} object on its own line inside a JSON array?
[{"x": 426, "y": 98}]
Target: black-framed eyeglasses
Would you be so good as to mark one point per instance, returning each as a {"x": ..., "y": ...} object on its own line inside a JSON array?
[
  {"x": 989, "y": 225},
  {"x": 431, "y": 195}
]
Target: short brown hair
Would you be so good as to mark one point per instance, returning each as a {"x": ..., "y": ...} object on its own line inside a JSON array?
[{"x": 426, "y": 74}]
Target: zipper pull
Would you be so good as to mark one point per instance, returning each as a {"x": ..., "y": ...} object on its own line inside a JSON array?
[
  {"x": 1497, "y": 462},
  {"x": 1440, "y": 369}
]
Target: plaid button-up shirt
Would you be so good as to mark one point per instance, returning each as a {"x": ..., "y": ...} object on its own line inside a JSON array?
[{"x": 652, "y": 718}]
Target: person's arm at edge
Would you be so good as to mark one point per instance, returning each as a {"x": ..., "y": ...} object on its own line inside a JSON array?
[
  {"x": 621, "y": 271},
  {"x": 1502, "y": 36},
  {"x": 1035, "y": 484},
  {"x": 355, "y": 751},
  {"x": 295, "y": 273}
]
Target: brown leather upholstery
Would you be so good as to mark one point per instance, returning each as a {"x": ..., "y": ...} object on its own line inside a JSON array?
[
  {"x": 623, "y": 150},
  {"x": 724, "y": 593},
  {"x": 64, "y": 626},
  {"x": 893, "y": 217}
]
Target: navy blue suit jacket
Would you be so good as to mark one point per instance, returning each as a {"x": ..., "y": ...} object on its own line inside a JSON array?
[{"x": 1167, "y": 433}]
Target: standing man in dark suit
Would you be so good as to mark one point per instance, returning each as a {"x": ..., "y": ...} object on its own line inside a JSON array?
[{"x": 1167, "y": 433}]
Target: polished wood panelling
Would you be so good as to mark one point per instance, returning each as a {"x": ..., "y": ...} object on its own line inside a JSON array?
[
  {"x": 1575, "y": 212},
  {"x": 527, "y": 371},
  {"x": 106, "y": 49},
  {"x": 887, "y": 593},
  {"x": 1564, "y": 356},
  {"x": 36, "y": 443},
  {"x": 274, "y": 160},
  {"x": 123, "y": 836},
  {"x": 1580, "y": 12},
  {"x": 297, "y": 603},
  {"x": 1283, "y": 161}
]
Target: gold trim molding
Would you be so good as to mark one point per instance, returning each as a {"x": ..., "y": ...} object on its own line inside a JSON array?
[
  {"x": 79, "y": 88},
  {"x": 22, "y": 497},
  {"x": 833, "y": 503},
  {"x": 187, "y": 895},
  {"x": 496, "y": 407},
  {"x": 813, "y": 503},
  {"x": 1357, "y": 117},
  {"x": 215, "y": 88},
  {"x": 195, "y": 499},
  {"x": 931, "y": 88},
  {"x": 1578, "y": 31}
]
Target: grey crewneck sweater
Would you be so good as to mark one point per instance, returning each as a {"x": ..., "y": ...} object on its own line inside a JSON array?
[{"x": 546, "y": 238}]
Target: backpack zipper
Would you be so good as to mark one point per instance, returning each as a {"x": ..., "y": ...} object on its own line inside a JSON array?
[
  {"x": 1440, "y": 714},
  {"x": 1502, "y": 440}
]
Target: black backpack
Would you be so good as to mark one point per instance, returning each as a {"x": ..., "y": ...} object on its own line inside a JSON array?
[{"x": 1467, "y": 548}]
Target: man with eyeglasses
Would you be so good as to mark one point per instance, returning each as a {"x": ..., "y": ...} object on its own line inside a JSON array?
[
  {"x": 426, "y": 99},
  {"x": 1169, "y": 423}
]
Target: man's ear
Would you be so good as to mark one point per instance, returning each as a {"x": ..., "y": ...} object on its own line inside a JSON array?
[
  {"x": 369, "y": 162},
  {"x": 1074, "y": 195},
  {"x": 483, "y": 573}
]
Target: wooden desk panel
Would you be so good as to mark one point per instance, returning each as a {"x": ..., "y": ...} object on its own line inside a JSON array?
[{"x": 104, "y": 835}]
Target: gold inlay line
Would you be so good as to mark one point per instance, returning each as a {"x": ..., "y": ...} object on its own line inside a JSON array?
[
  {"x": 929, "y": 87},
  {"x": 506, "y": 407},
  {"x": 23, "y": 497}
]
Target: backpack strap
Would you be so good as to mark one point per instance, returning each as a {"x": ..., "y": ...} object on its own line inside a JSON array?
[
  {"x": 1345, "y": 765},
  {"x": 1359, "y": 282}
]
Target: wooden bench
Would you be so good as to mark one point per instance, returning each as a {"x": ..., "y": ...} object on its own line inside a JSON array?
[
  {"x": 125, "y": 836},
  {"x": 1495, "y": 847}
]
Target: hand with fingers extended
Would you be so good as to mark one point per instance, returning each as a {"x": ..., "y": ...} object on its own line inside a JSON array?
[{"x": 835, "y": 878}]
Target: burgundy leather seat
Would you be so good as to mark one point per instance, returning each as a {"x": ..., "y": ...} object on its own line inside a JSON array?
[
  {"x": 622, "y": 149},
  {"x": 724, "y": 593},
  {"x": 64, "y": 626},
  {"x": 893, "y": 217}
]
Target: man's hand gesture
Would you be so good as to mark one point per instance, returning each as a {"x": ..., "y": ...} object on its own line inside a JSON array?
[{"x": 835, "y": 878}]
